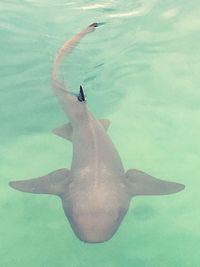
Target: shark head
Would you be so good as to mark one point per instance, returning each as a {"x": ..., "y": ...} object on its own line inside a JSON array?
[
  {"x": 95, "y": 227},
  {"x": 96, "y": 216}
]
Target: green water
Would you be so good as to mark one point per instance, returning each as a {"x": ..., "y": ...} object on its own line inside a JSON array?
[{"x": 140, "y": 70}]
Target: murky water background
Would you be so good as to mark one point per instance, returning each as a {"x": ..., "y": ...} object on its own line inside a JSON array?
[{"x": 140, "y": 70}]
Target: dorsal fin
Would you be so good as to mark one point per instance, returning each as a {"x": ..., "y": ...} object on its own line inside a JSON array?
[{"x": 81, "y": 97}]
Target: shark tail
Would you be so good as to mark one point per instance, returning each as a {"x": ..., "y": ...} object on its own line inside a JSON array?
[{"x": 67, "y": 47}]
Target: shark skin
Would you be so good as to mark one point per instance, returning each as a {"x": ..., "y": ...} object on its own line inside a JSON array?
[{"x": 96, "y": 191}]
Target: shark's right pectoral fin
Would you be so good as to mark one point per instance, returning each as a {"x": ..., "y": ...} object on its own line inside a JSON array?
[
  {"x": 65, "y": 131},
  {"x": 52, "y": 183},
  {"x": 140, "y": 183}
]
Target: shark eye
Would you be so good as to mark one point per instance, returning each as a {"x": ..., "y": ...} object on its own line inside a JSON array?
[{"x": 81, "y": 97}]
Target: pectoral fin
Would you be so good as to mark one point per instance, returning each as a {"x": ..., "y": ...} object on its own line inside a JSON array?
[
  {"x": 51, "y": 183},
  {"x": 64, "y": 131},
  {"x": 140, "y": 183}
]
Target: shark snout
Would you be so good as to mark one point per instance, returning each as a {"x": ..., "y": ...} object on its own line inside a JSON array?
[{"x": 95, "y": 228}]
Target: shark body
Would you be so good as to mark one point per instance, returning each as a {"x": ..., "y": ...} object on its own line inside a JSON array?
[{"x": 96, "y": 191}]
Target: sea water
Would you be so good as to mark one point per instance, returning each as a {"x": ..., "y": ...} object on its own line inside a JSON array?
[{"x": 141, "y": 71}]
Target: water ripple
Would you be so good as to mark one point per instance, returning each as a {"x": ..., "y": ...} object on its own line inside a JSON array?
[
  {"x": 101, "y": 6},
  {"x": 142, "y": 10}
]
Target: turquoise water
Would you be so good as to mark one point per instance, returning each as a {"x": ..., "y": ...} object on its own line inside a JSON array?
[{"x": 140, "y": 70}]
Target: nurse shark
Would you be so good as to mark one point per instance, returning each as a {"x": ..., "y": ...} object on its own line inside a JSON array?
[{"x": 96, "y": 191}]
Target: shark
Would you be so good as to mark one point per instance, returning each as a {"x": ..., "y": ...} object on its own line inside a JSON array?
[{"x": 96, "y": 191}]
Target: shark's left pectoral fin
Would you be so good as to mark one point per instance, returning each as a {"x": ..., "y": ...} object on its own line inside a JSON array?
[
  {"x": 52, "y": 183},
  {"x": 140, "y": 183}
]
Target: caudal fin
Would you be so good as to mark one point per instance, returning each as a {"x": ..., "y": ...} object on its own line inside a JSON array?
[{"x": 68, "y": 47}]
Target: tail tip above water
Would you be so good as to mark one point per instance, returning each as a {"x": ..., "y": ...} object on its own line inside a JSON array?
[{"x": 96, "y": 24}]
